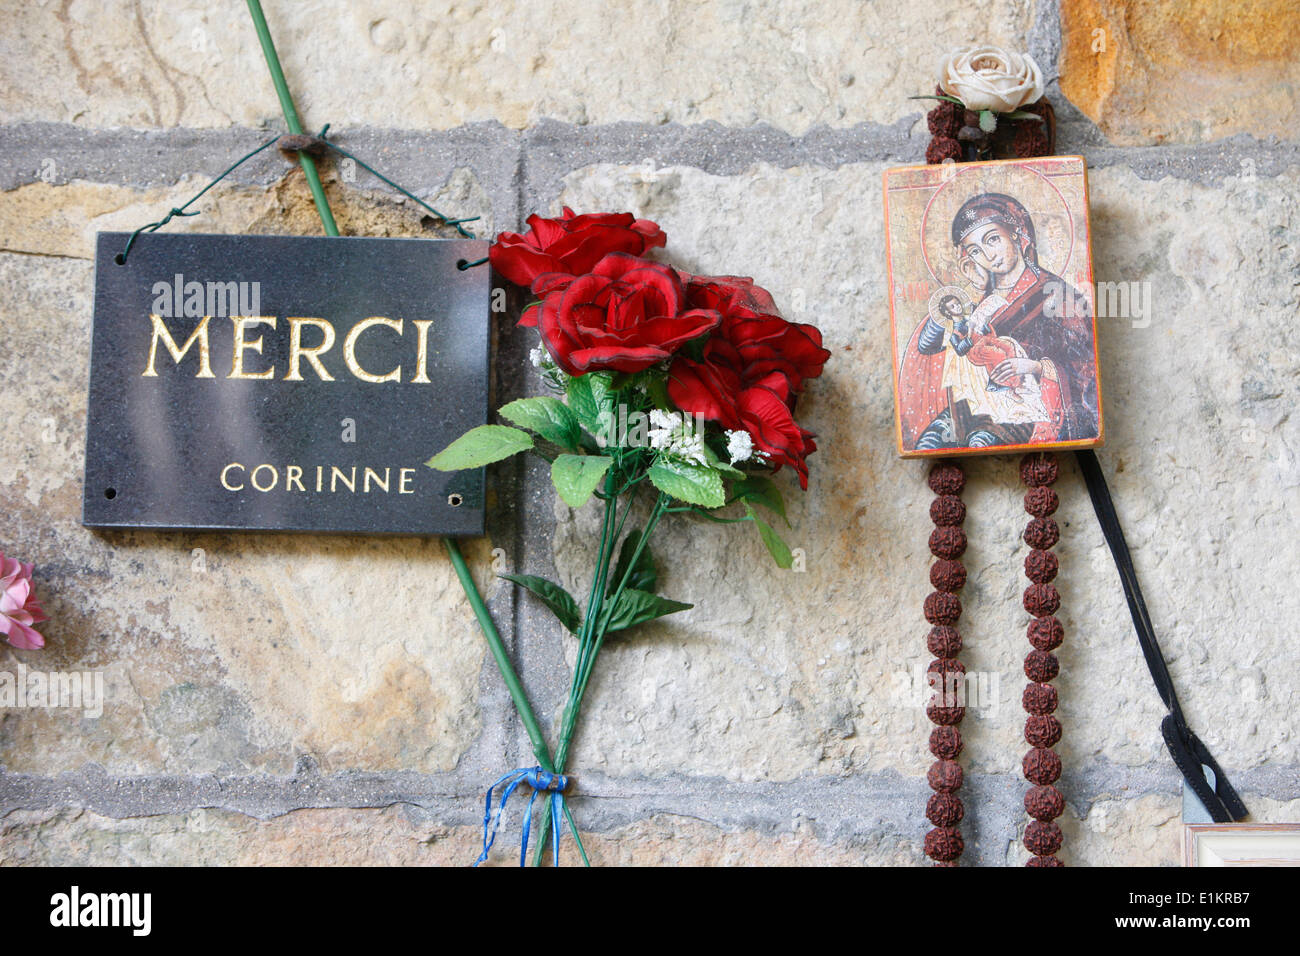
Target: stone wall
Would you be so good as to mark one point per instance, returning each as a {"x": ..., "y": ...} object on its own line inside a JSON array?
[{"x": 288, "y": 699}]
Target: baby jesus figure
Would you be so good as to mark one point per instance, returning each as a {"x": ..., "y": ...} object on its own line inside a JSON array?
[
  {"x": 975, "y": 349},
  {"x": 975, "y": 338}
]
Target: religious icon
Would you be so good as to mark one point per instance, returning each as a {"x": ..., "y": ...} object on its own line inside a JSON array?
[{"x": 992, "y": 305}]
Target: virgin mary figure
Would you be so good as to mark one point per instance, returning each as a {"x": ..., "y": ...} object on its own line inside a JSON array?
[{"x": 1046, "y": 323}]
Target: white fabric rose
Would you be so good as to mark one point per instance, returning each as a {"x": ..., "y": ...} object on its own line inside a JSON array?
[{"x": 991, "y": 78}]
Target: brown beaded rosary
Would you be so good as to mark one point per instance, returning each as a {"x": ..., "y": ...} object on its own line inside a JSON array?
[
  {"x": 1041, "y": 765},
  {"x": 1013, "y": 371}
]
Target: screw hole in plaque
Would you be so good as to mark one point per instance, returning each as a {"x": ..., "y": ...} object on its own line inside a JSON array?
[
  {"x": 455, "y": 500},
  {"x": 110, "y": 493},
  {"x": 120, "y": 259},
  {"x": 462, "y": 264}
]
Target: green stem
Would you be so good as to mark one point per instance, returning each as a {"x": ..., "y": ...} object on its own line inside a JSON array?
[
  {"x": 658, "y": 511},
  {"x": 524, "y": 709},
  {"x": 507, "y": 669},
  {"x": 660, "y": 508},
  {"x": 595, "y": 601},
  {"x": 593, "y": 604},
  {"x": 587, "y": 662},
  {"x": 495, "y": 644},
  {"x": 291, "y": 116},
  {"x": 595, "y": 609}
]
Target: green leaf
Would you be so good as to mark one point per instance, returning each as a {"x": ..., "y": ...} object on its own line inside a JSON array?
[
  {"x": 718, "y": 464},
  {"x": 988, "y": 121},
  {"x": 481, "y": 446},
  {"x": 707, "y": 516},
  {"x": 763, "y": 490},
  {"x": 1024, "y": 114},
  {"x": 644, "y": 575},
  {"x": 576, "y": 476},
  {"x": 656, "y": 390},
  {"x": 590, "y": 397},
  {"x": 636, "y": 607},
  {"x": 548, "y": 417},
  {"x": 693, "y": 484},
  {"x": 560, "y": 601},
  {"x": 779, "y": 550},
  {"x": 950, "y": 99}
]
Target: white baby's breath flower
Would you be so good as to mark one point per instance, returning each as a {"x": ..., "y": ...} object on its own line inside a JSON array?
[
  {"x": 740, "y": 446},
  {"x": 688, "y": 445},
  {"x": 662, "y": 426},
  {"x": 673, "y": 434},
  {"x": 662, "y": 419},
  {"x": 554, "y": 376}
]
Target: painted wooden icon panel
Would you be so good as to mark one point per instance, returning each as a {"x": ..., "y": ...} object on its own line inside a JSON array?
[{"x": 992, "y": 304}]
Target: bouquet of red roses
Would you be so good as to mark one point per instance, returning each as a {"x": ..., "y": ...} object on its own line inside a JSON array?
[{"x": 680, "y": 386}]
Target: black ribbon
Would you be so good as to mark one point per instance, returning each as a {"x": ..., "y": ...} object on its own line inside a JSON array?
[{"x": 1190, "y": 755}]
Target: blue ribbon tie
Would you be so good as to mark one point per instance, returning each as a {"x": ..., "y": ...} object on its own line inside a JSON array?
[{"x": 541, "y": 781}]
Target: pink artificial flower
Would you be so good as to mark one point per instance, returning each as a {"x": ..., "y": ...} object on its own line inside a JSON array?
[{"x": 19, "y": 610}]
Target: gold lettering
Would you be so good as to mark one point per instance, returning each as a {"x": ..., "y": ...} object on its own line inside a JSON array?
[
  {"x": 200, "y": 333},
  {"x": 350, "y": 350},
  {"x": 336, "y": 475},
  {"x": 265, "y": 478},
  {"x": 224, "y": 471},
  {"x": 275, "y": 478},
  {"x": 297, "y": 352},
  {"x": 422, "y": 351},
  {"x": 237, "y": 362}
]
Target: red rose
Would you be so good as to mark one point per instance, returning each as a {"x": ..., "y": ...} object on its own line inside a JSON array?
[
  {"x": 768, "y": 416},
  {"x": 570, "y": 244},
  {"x": 764, "y": 408},
  {"x": 760, "y": 340},
  {"x": 751, "y": 369},
  {"x": 628, "y": 314},
  {"x": 730, "y": 295}
]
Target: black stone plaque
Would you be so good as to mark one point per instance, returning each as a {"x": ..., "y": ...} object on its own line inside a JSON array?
[{"x": 315, "y": 377}]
